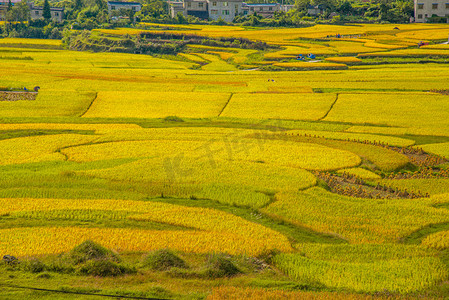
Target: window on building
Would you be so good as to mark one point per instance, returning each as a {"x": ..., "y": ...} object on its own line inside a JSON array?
[
  {"x": 236, "y": 9},
  {"x": 251, "y": 8},
  {"x": 225, "y": 3},
  {"x": 245, "y": 12},
  {"x": 425, "y": 15},
  {"x": 112, "y": 7},
  {"x": 447, "y": 5},
  {"x": 189, "y": 5},
  {"x": 200, "y": 5},
  {"x": 420, "y": 5},
  {"x": 260, "y": 8},
  {"x": 270, "y": 8},
  {"x": 56, "y": 14},
  {"x": 434, "y": 5},
  {"x": 134, "y": 8},
  {"x": 214, "y": 12},
  {"x": 36, "y": 12},
  {"x": 226, "y": 12},
  {"x": 419, "y": 16},
  {"x": 214, "y": 3}
]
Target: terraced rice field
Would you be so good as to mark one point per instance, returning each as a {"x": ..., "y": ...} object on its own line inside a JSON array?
[{"x": 226, "y": 150}]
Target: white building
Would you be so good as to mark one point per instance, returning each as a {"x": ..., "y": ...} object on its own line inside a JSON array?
[
  {"x": 424, "y": 9},
  {"x": 265, "y": 10},
  {"x": 116, "y": 5},
  {"x": 226, "y": 10},
  {"x": 36, "y": 12}
]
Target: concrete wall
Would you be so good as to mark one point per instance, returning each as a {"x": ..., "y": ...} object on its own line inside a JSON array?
[
  {"x": 227, "y": 10},
  {"x": 425, "y": 9}
]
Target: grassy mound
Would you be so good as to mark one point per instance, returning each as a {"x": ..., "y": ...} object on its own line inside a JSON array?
[
  {"x": 89, "y": 250},
  {"x": 163, "y": 260},
  {"x": 104, "y": 268},
  {"x": 218, "y": 265}
]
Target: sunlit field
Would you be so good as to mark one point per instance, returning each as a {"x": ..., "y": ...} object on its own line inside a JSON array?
[{"x": 319, "y": 178}]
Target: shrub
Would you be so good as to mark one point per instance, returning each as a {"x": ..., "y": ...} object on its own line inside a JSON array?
[
  {"x": 163, "y": 260},
  {"x": 34, "y": 266},
  {"x": 89, "y": 250},
  {"x": 173, "y": 119},
  {"x": 104, "y": 268},
  {"x": 44, "y": 275},
  {"x": 218, "y": 265}
]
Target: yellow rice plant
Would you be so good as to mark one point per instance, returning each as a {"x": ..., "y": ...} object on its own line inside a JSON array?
[
  {"x": 439, "y": 149},
  {"x": 52, "y": 240},
  {"x": 223, "y": 55},
  {"x": 391, "y": 140},
  {"x": 343, "y": 59},
  {"x": 68, "y": 126},
  {"x": 178, "y": 171},
  {"x": 250, "y": 293},
  {"x": 192, "y": 57},
  {"x": 38, "y": 148},
  {"x": 441, "y": 131},
  {"x": 431, "y": 186},
  {"x": 30, "y": 41},
  {"x": 399, "y": 276},
  {"x": 280, "y": 153},
  {"x": 357, "y": 220},
  {"x": 309, "y": 65},
  {"x": 360, "y": 172},
  {"x": 157, "y": 104},
  {"x": 417, "y": 110},
  {"x": 304, "y": 106},
  {"x": 439, "y": 240}
]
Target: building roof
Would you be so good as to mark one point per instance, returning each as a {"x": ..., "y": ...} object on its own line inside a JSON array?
[
  {"x": 51, "y": 8},
  {"x": 123, "y": 3}
]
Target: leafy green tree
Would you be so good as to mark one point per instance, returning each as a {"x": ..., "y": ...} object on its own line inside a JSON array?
[
  {"x": 46, "y": 11},
  {"x": 78, "y": 4},
  {"x": 9, "y": 6},
  {"x": 345, "y": 8}
]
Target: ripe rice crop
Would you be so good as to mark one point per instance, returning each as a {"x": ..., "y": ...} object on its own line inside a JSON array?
[
  {"x": 234, "y": 195},
  {"x": 52, "y": 240},
  {"x": 223, "y": 55},
  {"x": 289, "y": 154},
  {"x": 420, "y": 110},
  {"x": 382, "y": 158},
  {"x": 156, "y": 104},
  {"x": 439, "y": 240},
  {"x": 439, "y": 149},
  {"x": 391, "y": 140},
  {"x": 192, "y": 57},
  {"x": 49, "y": 104},
  {"x": 400, "y": 276},
  {"x": 68, "y": 126},
  {"x": 30, "y": 41},
  {"x": 250, "y": 293},
  {"x": 360, "y": 172},
  {"x": 357, "y": 220},
  {"x": 279, "y": 106},
  {"x": 198, "y": 218},
  {"x": 180, "y": 170},
  {"x": 309, "y": 65},
  {"x": 431, "y": 186},
  {"x": 216, "y": 64},
  {"x": 38, "y": 148},
  {"x": 343, "y": 59}
]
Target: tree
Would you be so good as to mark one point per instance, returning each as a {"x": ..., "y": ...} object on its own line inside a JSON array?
[
  {"x": 9, "y": 6},
  {"x": 78, "y": 4},
  {"x": 46, "y": 11},
  {"x": 345, "y": 8}
]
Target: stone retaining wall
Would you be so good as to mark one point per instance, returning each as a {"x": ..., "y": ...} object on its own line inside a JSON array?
[{"x": 16, "y": 96}]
